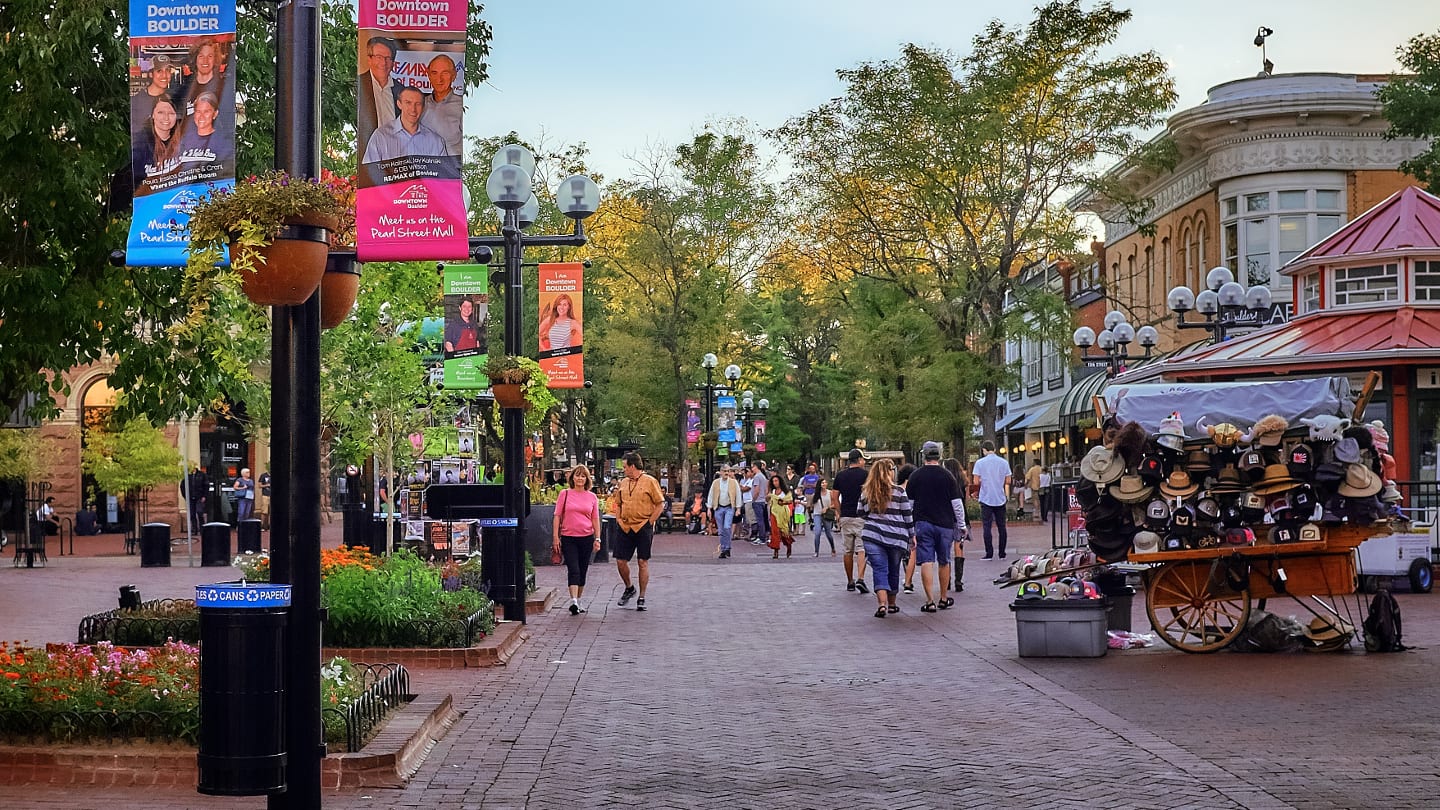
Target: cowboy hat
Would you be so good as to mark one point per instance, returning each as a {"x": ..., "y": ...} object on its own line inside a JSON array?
[
  {"x": 1198, "y": 461},
  {"x": 1276, "y": 479},
  {"x": 1324, "y": 631},
  {"x": 1131, "y": 489},
  {"x": 1179, "y": 485},
  {"x": 1360, "y": 482},
  {"x": 1101, "y": 465}
]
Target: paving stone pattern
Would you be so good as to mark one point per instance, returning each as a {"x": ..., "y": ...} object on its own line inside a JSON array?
[{"x": 756, "y": 683}]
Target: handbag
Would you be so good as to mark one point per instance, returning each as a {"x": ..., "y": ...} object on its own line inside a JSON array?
[{"x": 556, "y": 558}]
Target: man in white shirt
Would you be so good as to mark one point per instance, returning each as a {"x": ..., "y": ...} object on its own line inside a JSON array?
[
  {"x": 994, "y": 476},
  {"x": 444, "y": 108},
  {"x": 405, "y": 135}
]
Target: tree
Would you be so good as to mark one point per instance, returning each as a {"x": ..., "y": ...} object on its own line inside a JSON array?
[
  {"x": 942, "y": 178},
  {"x": 1412, "y": 105},
  {"x": 675, "y": 249},
  {"x": 132, "y": 459}
]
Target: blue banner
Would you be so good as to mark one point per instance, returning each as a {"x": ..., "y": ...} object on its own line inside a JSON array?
[
  {"x": 230, "y": 595},
  {"x": 182, "y": 119}
]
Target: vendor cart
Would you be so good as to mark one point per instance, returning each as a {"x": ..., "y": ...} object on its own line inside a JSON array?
[{"x": 1199, "y": 600}]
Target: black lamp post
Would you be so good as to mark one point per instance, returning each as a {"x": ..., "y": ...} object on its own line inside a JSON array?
[
  {"x": 711, "y": 389},
  {"x": 508, "y": 188},
  {"x": 1225, "y": 306},
  {"x": 747, "y": 412},
  {"x": 1114, "y": 341}
]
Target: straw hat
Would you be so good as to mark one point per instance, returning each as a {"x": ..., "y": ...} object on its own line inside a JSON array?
[
  {"x": 1360, "y": 482},
  {"x": 1131, "y": 489},
  {"x": 1179, "y": 485},
  {"x": 1327, "y": 634},
  {"x": 1277, "y": 479},
  {"x": 1101, "y": 465}
]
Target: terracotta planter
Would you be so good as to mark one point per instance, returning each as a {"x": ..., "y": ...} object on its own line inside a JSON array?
[
  {"x": 288, "y": 270},
  {"x": 338, "y": 289},
  {"x": 509, "y": 395}
]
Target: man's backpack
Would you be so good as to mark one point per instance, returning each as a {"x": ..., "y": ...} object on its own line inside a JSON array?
[{"x": 1382, "y": 625}]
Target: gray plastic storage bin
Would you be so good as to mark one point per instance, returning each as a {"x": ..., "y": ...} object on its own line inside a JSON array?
[{"x": 1061, "y": 628}]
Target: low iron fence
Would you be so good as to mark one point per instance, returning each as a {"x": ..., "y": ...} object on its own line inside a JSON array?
[
  {"x": 149, "y": 625},
  {"x": 387, "y": 686}
]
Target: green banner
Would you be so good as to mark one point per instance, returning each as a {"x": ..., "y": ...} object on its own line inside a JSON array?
[{"x": 467, "y": 318}]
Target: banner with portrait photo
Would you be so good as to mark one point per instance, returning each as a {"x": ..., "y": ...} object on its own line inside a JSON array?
[
  {"x": 467, "y": 313},
  {"x": 409, "y": 104},
  {"x": 562, "y": 350},
  {"x": 692, "y": 421},
  {"x": 182, "y": 120}
]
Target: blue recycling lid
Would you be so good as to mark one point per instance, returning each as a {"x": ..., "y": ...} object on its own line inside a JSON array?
[{"x": 234, "y": 595}]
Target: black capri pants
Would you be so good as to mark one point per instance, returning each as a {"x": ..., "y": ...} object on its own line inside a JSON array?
[{"x": 577, "y": 553}]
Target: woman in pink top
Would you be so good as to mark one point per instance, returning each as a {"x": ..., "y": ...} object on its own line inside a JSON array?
[{"x": 577, "y": 530}]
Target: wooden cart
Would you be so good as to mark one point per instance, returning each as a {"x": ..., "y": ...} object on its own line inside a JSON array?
[{"x": 1199, "y": 600}]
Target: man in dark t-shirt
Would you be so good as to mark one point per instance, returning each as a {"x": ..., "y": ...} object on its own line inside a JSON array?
[
  {"x": 848, "y": 485},
  {"x": 932, "y": 487}
]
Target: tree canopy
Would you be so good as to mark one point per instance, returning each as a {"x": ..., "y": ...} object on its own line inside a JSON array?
[{"x": 1412, "y": 105}]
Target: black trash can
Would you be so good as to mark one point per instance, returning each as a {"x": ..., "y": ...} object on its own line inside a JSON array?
[
  {"x": 248, "y": 535},
  {"x": 155, "y": 545},
  {"x": 608, "y": 527},
  {"x": 375, "y": 537},
  {"x": 353, "y": 525},
  {"x": 1112, "y": 586},
  {"x": 215, "y": 544},
  {"x": 242, "y": 688}
]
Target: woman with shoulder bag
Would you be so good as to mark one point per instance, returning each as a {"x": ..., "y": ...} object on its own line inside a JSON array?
[
  {"x": 577, "y": 530},
  {"x": 823, "y": 507}
]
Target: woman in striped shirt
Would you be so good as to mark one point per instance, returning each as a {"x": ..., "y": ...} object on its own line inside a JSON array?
[{"x": 889, "y": 530}]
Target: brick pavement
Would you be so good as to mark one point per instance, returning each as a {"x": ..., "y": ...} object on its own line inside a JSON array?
[{"x": 759, "y": 683}]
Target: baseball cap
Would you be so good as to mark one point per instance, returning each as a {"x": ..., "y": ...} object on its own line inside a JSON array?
[
  {"x": 856, "y": 454},
  {"x": 930, "y": 449}
]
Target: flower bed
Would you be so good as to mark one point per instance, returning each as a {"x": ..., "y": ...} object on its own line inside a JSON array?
[
  {"x": 149, "y": 625},
  {"x": 102, "y": 693}
]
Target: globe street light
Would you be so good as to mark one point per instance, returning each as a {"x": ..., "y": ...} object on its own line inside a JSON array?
[
  {"x": 1225, "y": 305},
  {"x": 1113, "y": 341},
  {"x": 748, "y": 407},
  {"x": 711, "y": 389}
]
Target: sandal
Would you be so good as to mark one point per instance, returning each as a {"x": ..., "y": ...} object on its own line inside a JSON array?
[
  {"x": 894, "y": 608},
  {"x": 880, "y": 612},
  {"x": 928, "y": 607},
  {"x": 946, "y": 603}
]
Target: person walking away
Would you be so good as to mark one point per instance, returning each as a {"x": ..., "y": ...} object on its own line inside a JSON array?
[
  {"x": 778, "y": 504},
  {"x": 636, "y": 504},
  {"x": 759, "y": 504},
  {"x": 577, "y": 530},
  {"x": 993, "y": 476},
  {"x": 1045, "y": 481},
  {"x": 962, "y": 525},
  {"x": 197, "y": 485},
  {"x": 902, "y": 477},
  {"x": 848, "y": 486},
  {"x": 1032, "y": 489},
  {"x": 244, "y": 495},
  {"x": 805, "y": 492},
  {"x": 822, "y": 506},
  {"x": 889, "y": 527},
  {"x": 262, "y": 500},
  {"x": 723, "y": 499},
  {"x": 932, "y": 488}
]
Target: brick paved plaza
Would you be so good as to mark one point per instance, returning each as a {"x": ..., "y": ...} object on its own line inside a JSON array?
[{"x": 757, "y": 683}]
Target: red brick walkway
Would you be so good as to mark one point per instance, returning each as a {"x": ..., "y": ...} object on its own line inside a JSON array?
[{"x": 759, "y": 683}]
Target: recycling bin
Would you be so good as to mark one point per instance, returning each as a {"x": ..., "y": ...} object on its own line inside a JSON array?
[
  {"x": 247, "y": 535},
  {"x": 215, "y": 544},
  {"x": 242, "y": 688},
  {"x": 155, "y": 545}
]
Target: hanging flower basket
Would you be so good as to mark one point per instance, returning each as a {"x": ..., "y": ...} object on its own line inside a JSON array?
[
  {"x": 338, "y": 289},
  {"x": 510, "y": 395},
  {"x": 287, "y": 271}
]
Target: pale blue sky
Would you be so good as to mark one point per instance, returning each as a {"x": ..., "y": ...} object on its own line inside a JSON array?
[{"x": 629, "y": 75}]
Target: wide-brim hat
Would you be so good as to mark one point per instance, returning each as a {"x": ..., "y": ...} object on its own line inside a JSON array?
[
  {"x": 1170, "y": 441},
  {"x": 1179, "y": 485},
  {"x": 1198, "y": 461},
  {"x": 1131, "y": 489},
  {"x": 1277, "y": 479},
  {"x": 1321, "y": 630},
  {"x": 1228, "y": 481},
  {"x": 1101, "y": 465},
  {"x": 1360, "y": 482}
]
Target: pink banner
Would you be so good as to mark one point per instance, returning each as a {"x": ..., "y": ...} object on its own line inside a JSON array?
[{"x": 410, "y": 203}]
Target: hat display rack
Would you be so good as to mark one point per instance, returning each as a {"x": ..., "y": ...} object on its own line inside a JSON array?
[{"x": 1196, "y": 484}]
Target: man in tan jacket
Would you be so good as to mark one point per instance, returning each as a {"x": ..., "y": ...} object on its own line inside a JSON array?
[
  {"x": 636, "y": 504},
  {"x": 723, "y": 501}
]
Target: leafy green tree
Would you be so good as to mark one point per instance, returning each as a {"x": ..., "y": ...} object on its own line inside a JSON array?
[
  {"x": 674, "y": 250},
  {"x": 943, "y": 177},
  {"x": 1412, "y": 104},
  {"x": 136, "y": 457}
]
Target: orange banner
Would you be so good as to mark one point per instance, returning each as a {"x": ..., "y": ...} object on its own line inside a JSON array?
[{"x": 562, "y": 305}]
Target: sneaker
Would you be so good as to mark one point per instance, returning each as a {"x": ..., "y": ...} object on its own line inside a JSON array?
[
  {"x": 640, "y": 603},
  {"x": 861, "y": 587},
  {"x": 908, "y": 588},
  {"x": 574, "y": 609},
  {"x": 627, "y": 595},
  {"x": 850, "y": 586}
]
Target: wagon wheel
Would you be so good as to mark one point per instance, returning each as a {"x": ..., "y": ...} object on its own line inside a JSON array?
[{"x": 1193, "y": 608}]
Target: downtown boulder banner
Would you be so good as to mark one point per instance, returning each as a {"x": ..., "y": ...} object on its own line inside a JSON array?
[
  {"x": 562, "y": 349},
  {"x": 182, "y": 120},
  {"x": 467, "y": 314},
  {"x": 410, "y": 201}
]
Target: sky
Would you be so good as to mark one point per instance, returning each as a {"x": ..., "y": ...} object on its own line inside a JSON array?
[{"x": 628, "y": 77}]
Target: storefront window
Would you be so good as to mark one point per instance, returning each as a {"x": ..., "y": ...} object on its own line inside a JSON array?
[{"x": 1255, "y": 247}]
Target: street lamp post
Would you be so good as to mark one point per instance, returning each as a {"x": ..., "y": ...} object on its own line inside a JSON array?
[
  {"x": 747, "y": 412},
  {"x": 1114, "y": 341},
  {"x": 711, "y": 389},
  {"x": 509, "y": 189},
  {"x": 1226, "y": 305}
]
